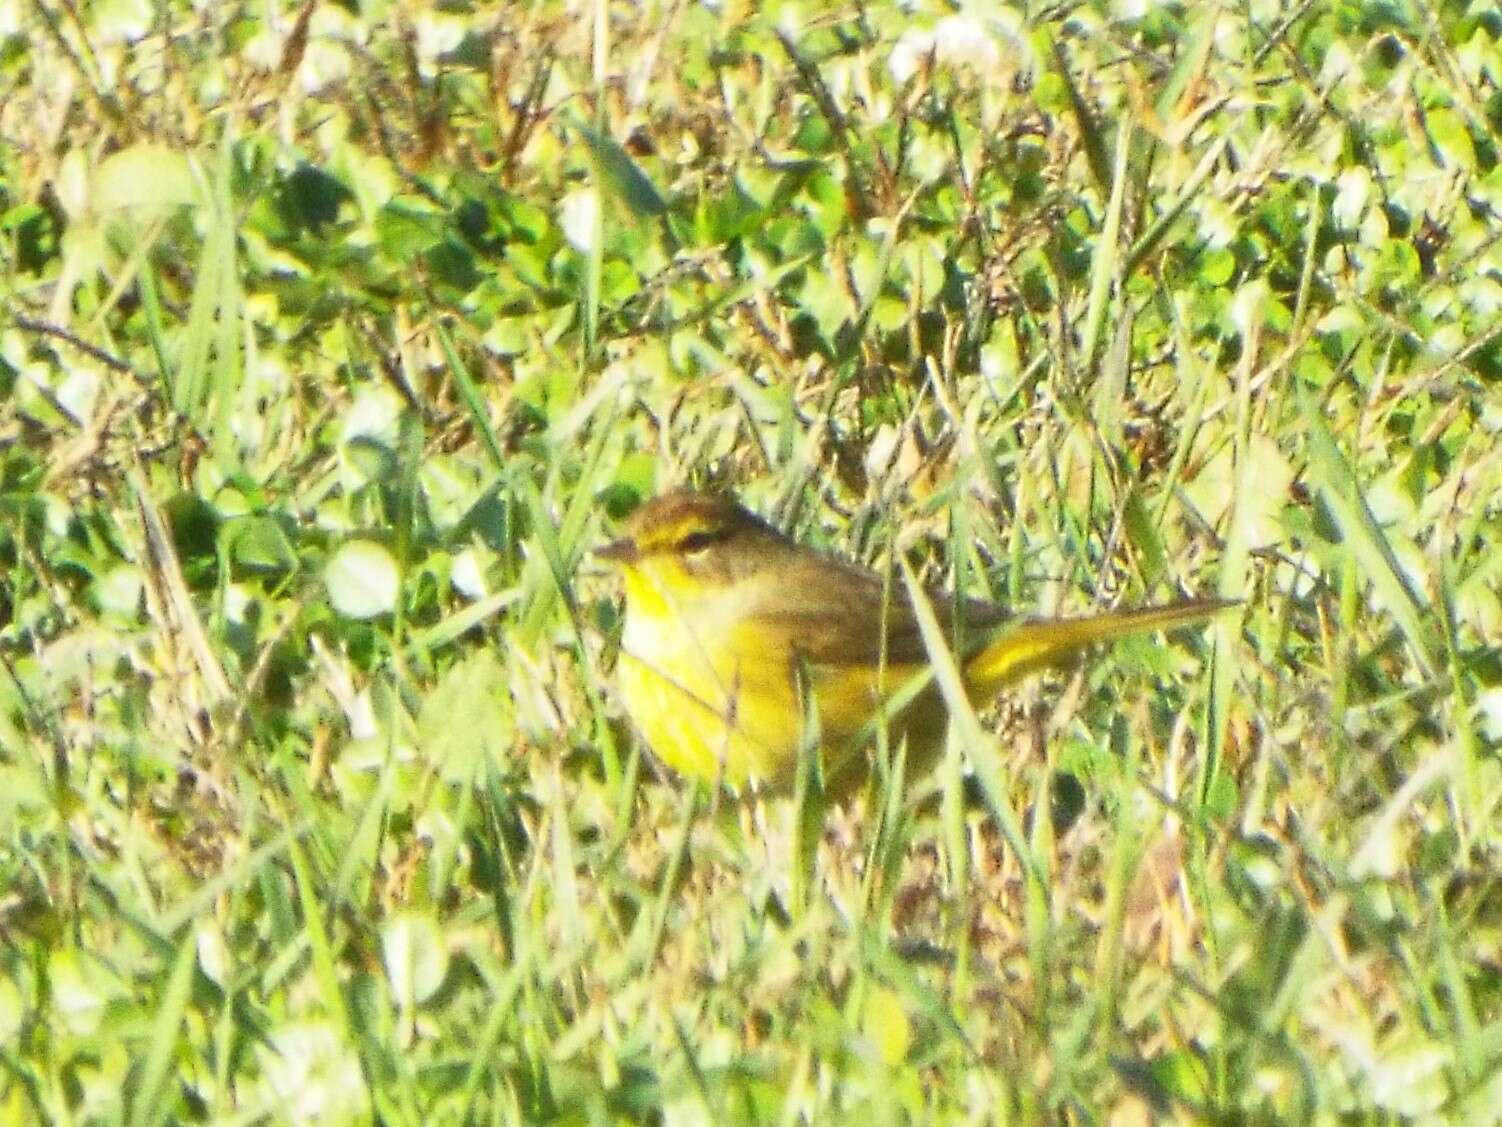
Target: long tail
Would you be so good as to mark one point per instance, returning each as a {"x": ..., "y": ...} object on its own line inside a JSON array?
[{"x": 1030, "y": 645}]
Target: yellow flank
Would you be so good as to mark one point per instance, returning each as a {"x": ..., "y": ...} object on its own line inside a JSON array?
[{"x": 742, "y": 647}]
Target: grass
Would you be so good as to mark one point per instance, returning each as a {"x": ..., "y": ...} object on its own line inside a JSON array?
[{"x": 334, "y": 338}]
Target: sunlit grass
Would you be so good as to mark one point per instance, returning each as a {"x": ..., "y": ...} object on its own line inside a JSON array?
[{"x": 316, "y": 802}]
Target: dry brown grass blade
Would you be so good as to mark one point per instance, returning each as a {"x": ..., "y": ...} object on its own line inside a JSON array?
[{"x": 180, "y": 616}]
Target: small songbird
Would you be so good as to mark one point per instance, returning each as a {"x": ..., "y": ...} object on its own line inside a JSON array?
[{"x": 738, "y": 639}]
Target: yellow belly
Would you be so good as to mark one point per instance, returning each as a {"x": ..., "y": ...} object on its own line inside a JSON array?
[{"x": 728, "y": 714}]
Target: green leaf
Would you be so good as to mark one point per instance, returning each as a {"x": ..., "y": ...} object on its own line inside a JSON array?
[
  {"x": 1452, "y": 138},
  {"x": 363, "y": 580},
  {"x": 1143, "y": 532},
  {"x": 259, "y": 544},
  {"x": 406, "y": 228},
  {"x": 1217, "y": 266},
  {"x": 884, "y": 1022},
  {"x": 145, "y": 178},
  {"x": 621, "y": 176},
  {"x": 466, "y": 720},
  {"x": 415, "y": 957}
]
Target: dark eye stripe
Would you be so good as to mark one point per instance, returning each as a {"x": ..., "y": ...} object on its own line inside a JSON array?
[{"x": 703, "y": 538}]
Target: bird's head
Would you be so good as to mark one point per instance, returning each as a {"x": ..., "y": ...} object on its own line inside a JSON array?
[{"x": 684, "y": 546}]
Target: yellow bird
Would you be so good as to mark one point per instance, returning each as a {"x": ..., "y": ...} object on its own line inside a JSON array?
[{"x": 741, "y": 646}]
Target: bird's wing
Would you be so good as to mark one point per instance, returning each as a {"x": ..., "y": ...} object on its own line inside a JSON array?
[{"x": 833, "y": 613}]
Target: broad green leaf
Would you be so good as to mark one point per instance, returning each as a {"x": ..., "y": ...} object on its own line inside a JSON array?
[
  {"x": 1452, "y": 138},
  {"x": 415, "y": 957},
  {"x": 148, "y": 178},
  {"x": 467, "y": 718},
  {"x": 884, "y": 1022},
  {"x": 362, "y": 579},
  {"x": 259, "y": 544}
]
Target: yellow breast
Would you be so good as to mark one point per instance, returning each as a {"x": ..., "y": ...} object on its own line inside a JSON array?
[
  {"x": 707, "y": 704},
  {"x": 719, "y": 697}
]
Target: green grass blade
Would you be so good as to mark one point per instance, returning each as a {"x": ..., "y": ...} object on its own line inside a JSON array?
[
  {"x": 325, "y": 972},
  {"x": 1107, "y": 259},
  {"x": 1373, "y": 555},
  {"x": 153, "y": 1102},
  {"x": 963, "y": 721}
]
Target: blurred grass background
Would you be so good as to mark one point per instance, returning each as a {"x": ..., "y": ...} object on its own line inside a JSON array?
[{"x": 335, "y": 336}]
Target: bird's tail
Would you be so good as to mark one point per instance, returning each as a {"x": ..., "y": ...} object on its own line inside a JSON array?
[{"x": 1032, "y": 644}]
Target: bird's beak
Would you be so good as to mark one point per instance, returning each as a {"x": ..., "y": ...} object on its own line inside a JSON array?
[{"x": 623, "y": 550}]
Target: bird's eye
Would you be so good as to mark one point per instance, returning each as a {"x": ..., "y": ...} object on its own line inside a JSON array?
[{"x": 700, "y": 540}]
